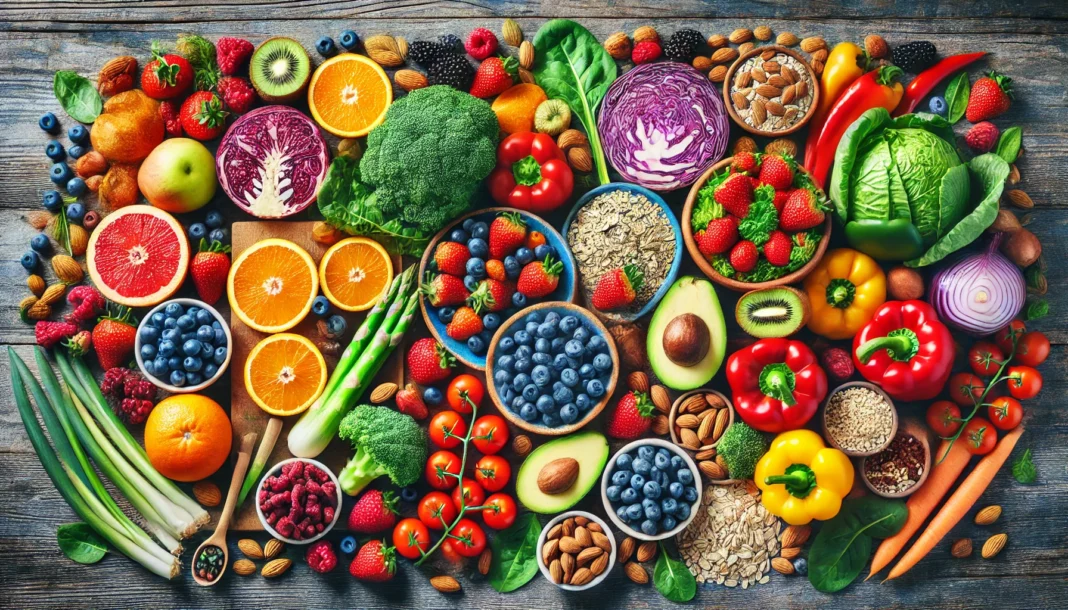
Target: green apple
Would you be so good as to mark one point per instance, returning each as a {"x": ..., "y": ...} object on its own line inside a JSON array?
[{"x": 178, "y": 176}]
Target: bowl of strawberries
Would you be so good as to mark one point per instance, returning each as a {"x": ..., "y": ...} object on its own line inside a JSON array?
[
  {"x": 484, "y": 267},
  {"x": 756, "y": 221}
]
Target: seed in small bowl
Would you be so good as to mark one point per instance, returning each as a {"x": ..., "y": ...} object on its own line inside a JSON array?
[{"x": 859, "y": 419}]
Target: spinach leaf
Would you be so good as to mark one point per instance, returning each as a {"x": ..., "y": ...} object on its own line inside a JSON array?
[
  {"x": 1008, "y": 147},
  {"x": 571, "y": 65},
  {"x": 515, "y": 551},
  {"x": 81, "y": 543},
  {"x": 957, "y": 93},
  {"x": 673, "y": 579},
  {"x": 1023, "y": 469},
  {"x": 78, "y": 96},
  {"x": 843, "y": 546}
]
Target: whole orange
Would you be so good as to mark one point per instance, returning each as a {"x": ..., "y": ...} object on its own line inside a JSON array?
[
  {"x": 187, "y": 437},
  {"x": 516, "y": 106}
]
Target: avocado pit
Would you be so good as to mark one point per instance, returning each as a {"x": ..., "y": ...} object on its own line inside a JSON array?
[{"x": 686, "y": 339}]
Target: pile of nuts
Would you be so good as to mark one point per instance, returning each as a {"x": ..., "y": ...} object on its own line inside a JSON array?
[
  {"x": 576, "y": 550},
  {"x": 275, "y": 566},
  {"x": 772, "y": 91},
  {"x": 641, "y": 553},
  {"x": 701, "y": 420}
]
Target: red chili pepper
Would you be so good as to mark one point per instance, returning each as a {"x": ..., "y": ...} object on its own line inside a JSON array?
[
  {"x": 532, "y": 173},
  {"x": 906, "y": 350},
  {"x": 925, "y": 81},
  {"x": 777, "y": 384}
]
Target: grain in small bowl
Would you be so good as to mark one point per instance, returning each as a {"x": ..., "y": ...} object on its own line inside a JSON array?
[
  {"x": 859, "y": 419},
  {"x": 576, "y": 551}
]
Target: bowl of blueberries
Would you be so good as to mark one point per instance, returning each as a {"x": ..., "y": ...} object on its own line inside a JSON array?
[
  {"x": 183, "y": 345},
  {"x": 472, "y": 268},
  {"x": 551, "y": 368},
  {"x": 651, "y": 489}
]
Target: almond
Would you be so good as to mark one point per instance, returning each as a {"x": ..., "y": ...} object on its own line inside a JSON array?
[
  {"x": 660, "y": 425},
  {"x": 988, "y": 515},
  {"x": 581, "y": 577},
  {"x": 117, "y": 75},
  {"x": 767, "y": 55},
  {"x": 601, "y": 541},
  {"x": 626, "y": 549},
  {"x": 740, "y": 35},
  {"x": 53, "y": 293},
  {"x": 759, "y": 75},
  {"x": 638, "y": 381},
  {"x": 819, "y": 55},
  {"x": 790, "y": 74},
  {"x": 589, "y": 554},
  {"x": 593, "y": 526},
  {"x": 550, "y": 550},
  {"x": 721, "y": 424},
  {"x": 37, "y": 286},
  {"x": 250, "y": 548},
  {"x": 276, "y": 567},
  {"x": 705, "y": 454},
  {"x": 790, "y": 552},
  {"x": 521, "y": 445},
  {"x": 272, "y": 548},
  {"x": 782, "y": 146},
  {"x": 689, "y": 439},
  {"x": 636, "y": 573},
  {"x": 712, "y": 470},
  {"x": 445, "y": 584},
  {"x": 745, "y": 47},
  {"x": 569, "y": 527},
  {"x": 788, "y": 94},
  {"x": 598, "y": 566},
  {"x": 567, "y": 563},
  {"x": 724, "y": 55},
  {"x": 512, "y": 33},
  {"x": 744, "y": 144},
  {"x": 758, "y": 113},
  {"x": 702, "y": 63},
  {"x": 384, "y": 50},
  {"x": 558, "y": 475},
  {"x": 717, "y": 40},
  {"x": 817, "y": 67},
  {"x": 876, "y": 47},
  {"x": 777, "y": 81},
  {"x": 786, "y": 39},
  {"x": 583, "y": 536},
  {"x": 704, "y": 431},
  {"x": 646, "y": 551},
  {"x": 812, "y": 44},
  {"x": 410, "y": 80},
  {"x": 618, "y": 46},
  {"x": 743, "y": 79},
  {"x": 993, "y": 545},
  {"x": 774, "y": 108},
  {"x": 660, "y": 398},
  {"x": 762, "y": 33},
  {"x": 801, "y": 89},
  {"x": 740, "y": 101},
  {"x": 645, "y": 33},
  {"x": 556, "y": 572},
  {"x": 244, "y": 567},
  {"x": 526, "y": 76},
  {"x": 689, "y": 420},
  {"x": 768, "y": 91},
  {"x": 555, "y": 532},
  {"x": 961, "y": 548},
  {"x": 568, "y": 544},
  {"x": 693, "y": 404},
  {"x": 1014, "y": 175},
  {"x": 91, "y": 164},
  {"x": 718, "y": 74},
  {"x": 572, "y": 138},
  {"x": 484, "y": 561},
  {"x": 1020, "y": 199},
  {"x": 580, "y": 520},
  {"x": 796, "y": 535},
  {"x": 782, "y": 565},
  {"x": 37, "y": 311},
  {"x": 771, "y": 67},
  {"x": 383, "y": 392},
  {"x": 580, "y": 159},
  {"x": 67, "y": 270},
  {"x": 526, "y": 55},
  {"x": 402, "y": 46}
]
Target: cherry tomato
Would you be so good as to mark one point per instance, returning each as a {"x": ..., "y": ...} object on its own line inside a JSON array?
[
  {"x": 473, "y": 494},
  {"x": 438, "y": 469},
  {"x": 411, "y": 538},
  {"x": 464, "y": 390},
  {"x": 1032, "y": 349},
  {"x": 447, "y": 429},
  {"x": 943, "y": 417},
  {"x": 448, "y": 550},
  {"x": 1005, "y": 413},
  {"x": 979, "y": 436},
  {"x": 1004, "y": 337},
  {"x": 965, "y": 388},
  {"x": 492, "y": 472},
  {"x": 500, "y": 512},
  {"x": 490, "y": 434},
  {"x": 1024, "y": 382},
  {"x": 985, "y": 358},
  {"x": 436, "y": 507},
  {"x": 468, "y": 538}
]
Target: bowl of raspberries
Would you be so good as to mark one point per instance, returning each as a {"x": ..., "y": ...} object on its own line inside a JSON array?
[
  {"x": 484, "y": 267},
  {"x": 182, "y": 345},
  {"x": 298, "y": 500}
]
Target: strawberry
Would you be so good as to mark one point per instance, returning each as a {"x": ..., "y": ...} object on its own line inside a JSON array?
[
  {"x": 49, "y": 333},
  {"x": 481, "y": 43},
  {"x": 465, "y": 324},
  {"x": 236, "y": 93},
  {"x": 801, "y": 211},
  {"x": 445, "y": 291},
  {"x": 507, "y": 233},
  {"x": 778, "y": 171},
  {"x": 743, "y": 256},
  {"x": 166, "y": 76},
  {"x": 780, "y": 200},
  {"x": 746, "y": 162},
  {"x": 79, "y": 344},
  {"x": 495, "y": 270},
  {"x": 374, "y": 512},
  {"x": 631, "y": 417},
  {"x": 429, "y": 362},
  {"x": 451, "y": 257},
  {"x": 539, "y": 278},
  {"x": 375, "y": 562},
  {"x": 209, "y": 269},
  {"x": 645, "y": 52},
  {"x": 410, "y": 402},
  {"x": 202, "y": 116},
  {"x": 982, "y": 137},
  {"x": 113, "y": 336},
  {"x": 491, "y": 295},
  {"x": 991, "y": 95},
  {"x": 735, "y": 194},
  {"x": 617, "y": 287},
  {"x": 718, "y": 237},
  {"x": 169, "y": 110},
  {"x": 494, "y": 75},
  {"x": 777, "y": 249},
  {"x": 232, "y": 53}
]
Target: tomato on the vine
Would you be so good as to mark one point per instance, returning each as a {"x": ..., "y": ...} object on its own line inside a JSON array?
[
  {"x": 985, "y": 358},
  {"x": 473, "y": 494},
  {"x": 500, "y": 511},
  {"x": 441, "y": 468},
  {"x": 1004, "y": 337},
  {"x": 468, "y": 538},
  {"x": 1024, "y": 382},
  {"x": 447, "y": 429},
  {"x": 943, "y": 417},
  {"x": 464, "y": 390},
  {"x": 493, "y": 472},
  {"x": 965, "y": 389},
  {"x": 448, "y": 551},
  {"x": 436, "y": 507},
  {"x": 1032, "y": 349},
  {"x": 1005, "y": 413},
  {"x": 490, "y": 434},
  {"x": 979, "y": 436},
  {"x": 411, "y": 538}
]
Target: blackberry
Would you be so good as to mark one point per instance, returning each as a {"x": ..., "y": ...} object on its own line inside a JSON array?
[
  {"x": 425, "y": 52},
  {"x": 914, "y": 57},
  {"x": 452, "y": 69},
  {"x": 683, "y": 45},
  {"x": 451, "y": 42}
]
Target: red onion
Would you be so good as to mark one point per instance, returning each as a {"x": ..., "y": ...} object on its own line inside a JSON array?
[{"x": 979, "y": 293}]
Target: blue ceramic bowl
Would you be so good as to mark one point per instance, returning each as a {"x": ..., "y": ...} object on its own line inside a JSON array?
[
  {"x": 673, "y": 272},
  {"x": 566, "y": 290}
]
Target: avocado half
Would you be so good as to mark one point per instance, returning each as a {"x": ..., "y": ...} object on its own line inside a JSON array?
[
  {"x": 694, "y": 301},
  {"x": 589, "y": 448}
]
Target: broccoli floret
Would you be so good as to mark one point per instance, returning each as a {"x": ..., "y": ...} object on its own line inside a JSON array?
[
  {"x": 741, "y": 447},
  {"x": 386, "y": 443},
  {"x": 428, "y": 157}
]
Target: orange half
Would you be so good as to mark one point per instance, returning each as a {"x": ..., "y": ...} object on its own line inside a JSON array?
[
  {"x": 349, "y": 95},
  {"x": 284, "y": 374},
  {"x": 272, "y": 284},
  {"x": 354, "y": 272}
]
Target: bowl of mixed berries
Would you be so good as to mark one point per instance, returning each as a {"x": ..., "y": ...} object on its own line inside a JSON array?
[{"x": 484, "y": 267}]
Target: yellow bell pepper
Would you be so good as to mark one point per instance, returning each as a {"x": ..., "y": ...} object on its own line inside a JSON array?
[
  {"x": 844, "y": 290},
  {"x": 802, "y": 479}
]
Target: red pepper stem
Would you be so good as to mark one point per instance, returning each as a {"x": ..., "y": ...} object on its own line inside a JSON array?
[
  {"x": 527, "y": 171},
  {"x": 901, "y": 345},
  {"x": 888, "y": 74},
  {"x": 778, "y": 382}
]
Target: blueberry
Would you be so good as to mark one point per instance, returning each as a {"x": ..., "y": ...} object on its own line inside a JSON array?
[
  {"x": 60, "y": 173},
  {"x": 148, "y": 351},
  {"x": 522, "y": 337},
  {"x": 621, "y": 512},
  {"x": 595, "y": 388},
  {"x": 40, "y": 243},
  {"x": 166, "y": 348},
  {"x": 676, "y": 489},
  {"x": 506, "y": 345},
  {"x": 545, "y": 404},
  {"x": 349, "y": 41},
  {"x": 685, "y": 476},
  {"x": 213, "y": 220},
  {"x": 634, "y": 512},
  {"x": 478, "y": 247},
  {"x": 664, "y": 479},
  {"x": 220, "y": 235},
  {"x": 582, "y": 334},
  {"x": 150, "y": 367},
  {"x": 801, "y": 566},
  {"x": 204, "y": 317},
  {"x": 569, "y": 378},
  {"x": 172, "y": 334},
  {"x": 471, "y": 279},
  {"x": 628, "y": 495},
  {"x": 205, "y": 334},
  {"x": 523, "y": 365},
  {"x": 649, "y": 527},
  {"x": 541, "y": 375},
  {"x": 569, "y": 413},
  {"x": 938, "y": 105},
  {"x": 652, "y": 509},
  {"x": 524, "y": 255},
  {"x": 320, "y": 306},
  {"x": 637, "y": 481},
  {"x": 532, "y": 328},
  {"x": 507, "y": 394},
  {"x": 543, "y": 251},
  {"x": 559, "y": 363},
  {"x": 613, "y": 492},
  {"x": 506, "y": 364},
  {"x": 587, "y": 372},
  {"x": 676, "y": 462},
  {"x": 541, "y": 358},
  {"x": 52, "y": 201},
  {"x": 479, "y": 229},
  {"x": 157, "y": 319},
  {"x": 622, "y": 475},
  {"x": 174, "y": 310},
  {"x": 568, "y": 324},
  {"x": 651, "y": 490},
  {"x": 348, "y": 543},
  {"x": 602, "y": 362},
  {"x": 583, "y": 402},
  {"x": 48, "y": 122},
  {"x": 192, "y": 378},
  {"x": 690, "y": 495},
  {"x": 573, "y": 348},
  {"x": 459, "y": 235},
  {"x": 476, "y": 344},
  {"x": 519, "y": 299},
  {"x": 149, "y": 334},
  {"x": 512, "y": 267},
  {"x": 75, "y": 211},
  {"x": 177, "y": 378},
  {"x": 186, "y": 322},
  {"x": 546, "y": 330},
  {"x": 491, "y": 321},
  {"x": 325, "y": 47},
  {"x": 564, "y": 395},
  {"x": 502, "y": 377},
  {"x": 54, "y": 151},
  {"x": 668, "y": 506},
  {"x": 661, "y": 460},
  {"x": 518, "y": 402},
  {"x": 432, "y": 396},
  {"x": 654, "y": 474},
  {"x": 668, "y": 523},
  {"x": 197, "y": 231},
  {"x": 191, "y": 347},
  {"x": 210, "y": 369},
  {"x": 160, "y": 366},
  {"x": 192, "y": 364},
  {"x": 528, "y": 412},
  {"x": 336, "y": 325},
  {"x": 682, "y": 513},
  {"x": 78, "y": 134},
  {"x": 30, "y": 260},
  {"x": 542, "y": 345},
  {"x": 520, "y": 381},
  {"x": 596, "y": 344},
  {"x": 76, "y": 152},
  {"x": 550, "y": 420},
  {"x": 174, "y": 363}
]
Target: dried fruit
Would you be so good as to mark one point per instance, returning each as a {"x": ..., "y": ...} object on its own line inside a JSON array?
[
  {"x": 410, "y": 80},
  {"x": 646, "y": 551},
  {"x": 988, "y": 515},
  {"x": 521, "y": 445},
  {"x": 782, "y": 565},
  {"x": 119, "y": 187},
  {"x": 445, "y": 584},
  {"x": 244, "y": 567},
  {"x": 383, "y": 392},
  {"x": 744, "y": 144},
  {"x": 993, "y": 545},
  {"x": 93, "y": 184},
  {"x": 272, "y": 548},
  {"x": 325, "y": 234},
  {"x": 781, "y": 146},
  {"x": 618, "y": 46},
  {"x": 636, "y": 573},
  {"x": 961, "y": 548},
  {"x": 208, "y": 494},
  {"x": 646, "y": 33},
  {"x": 91, "y": 163},
  {"x": 250, "y": 548},
  {"x": 117, "y": 75},
  {"x": 276, "y": 567},
  {"x": 876, "y": 47},
  {"x": 67, "y": 269},
  {"x": 512, "y": 33}
]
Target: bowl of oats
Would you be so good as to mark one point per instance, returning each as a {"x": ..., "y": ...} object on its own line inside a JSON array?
[
  {"x": 771, "y": 91},
  {"x": 618, "y": 230}
]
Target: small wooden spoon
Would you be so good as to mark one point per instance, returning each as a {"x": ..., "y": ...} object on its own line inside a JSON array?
[{"x": 218, "y": 539}]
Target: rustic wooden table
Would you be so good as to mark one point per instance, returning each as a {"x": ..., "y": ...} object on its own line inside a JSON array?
[{"x": 1029, "y": 42}]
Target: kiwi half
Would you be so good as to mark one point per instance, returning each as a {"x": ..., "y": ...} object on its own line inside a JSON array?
[
  {"x": 773, "y": 312},
  {"x": 280, "y": 69}
]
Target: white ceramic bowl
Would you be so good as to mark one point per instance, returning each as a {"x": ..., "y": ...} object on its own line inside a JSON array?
[
  {"x": 173, "y": 389},
  {"x": 263, "y": 518},
  {"x": 607, "y": 532},
  {"x": 606, "y": 480}
]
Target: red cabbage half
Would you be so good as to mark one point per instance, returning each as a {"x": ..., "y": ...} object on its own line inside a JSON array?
[
  {"x": 662, "y": 125},
  {"x": 272, "y": 161}
]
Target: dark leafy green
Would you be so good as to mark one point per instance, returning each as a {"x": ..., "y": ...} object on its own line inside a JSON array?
[
  {"x": 1036, "y": 308},
  {"x": 78, "y": 96},
  {"x": 1008, "y": 147},
  {"x": 957, "y": 93},
  {"x": 673, "y": 579},
  {"x": 843, "y": 545},
  {"x": 79, "y": 542},
  {"x": 1023, "y": 468},
  {"x": 515, "y": 559}
]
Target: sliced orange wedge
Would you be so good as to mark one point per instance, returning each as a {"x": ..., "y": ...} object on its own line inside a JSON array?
[
  {"x": 349, "y": 95},
  {"x": 272, "y": 284},
  {"x": 284, "y": 374},
  {"x": 354, "y": 272}
]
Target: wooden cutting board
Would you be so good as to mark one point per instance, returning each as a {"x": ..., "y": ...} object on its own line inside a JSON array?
[{"x": 245, "y": 415}]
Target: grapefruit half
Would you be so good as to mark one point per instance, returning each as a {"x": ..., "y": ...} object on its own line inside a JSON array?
[{"x": 138, "y": 256}]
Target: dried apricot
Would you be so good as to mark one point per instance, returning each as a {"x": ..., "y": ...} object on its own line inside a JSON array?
[
  {"x": 129, "y": 128},
  {"x": 119, "y": 187},
  {"x": 91, "y": 164}
]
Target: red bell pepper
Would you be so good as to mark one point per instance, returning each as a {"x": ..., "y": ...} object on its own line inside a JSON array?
[
  {"x": 777, "y": 384},
  {"x": 906, "y": 350},
  {"x": 925, "y": 81},
  {"x": 532, "y": 173}
]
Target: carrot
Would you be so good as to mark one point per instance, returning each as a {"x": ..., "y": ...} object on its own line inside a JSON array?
[
  {"x": 922, "y": 503},
  {"x": 959, "y": 503}
]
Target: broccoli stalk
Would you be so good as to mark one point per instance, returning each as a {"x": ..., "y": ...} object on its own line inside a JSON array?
[
  {"x": 387, "y": 443},
  {"x": 359, "y": 471}
]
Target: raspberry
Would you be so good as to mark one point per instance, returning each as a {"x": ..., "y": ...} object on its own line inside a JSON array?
[
  {"x": 134, "y": 410},
  {"x": 114, "y": 382},
  {"x": 982, "y": 137},
  {"x": 138, "y": 387},
  {"x": 236, "y": 93},
  {"x": 170, "y": 111},
  {"x": 87, "y": 302},
  {"x": 481, "y": 43},
  {"x": 838, "y": 364},
  {"x": 645, "y": 52},
  {"x": 321, "y": 557},
  {"x": 232, "y": 54}
]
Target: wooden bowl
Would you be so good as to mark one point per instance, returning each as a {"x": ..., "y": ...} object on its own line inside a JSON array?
[
  {"x": 728, "y": 84},
  {"x": 858, "y": 384},
  {"x": 563, "y": 308},
  {"x": 566, "y": 290},
  {"x": 918, "y": 431},
  {"x": 675, "y": 412},
  {"x": 733, "y": 284}
]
